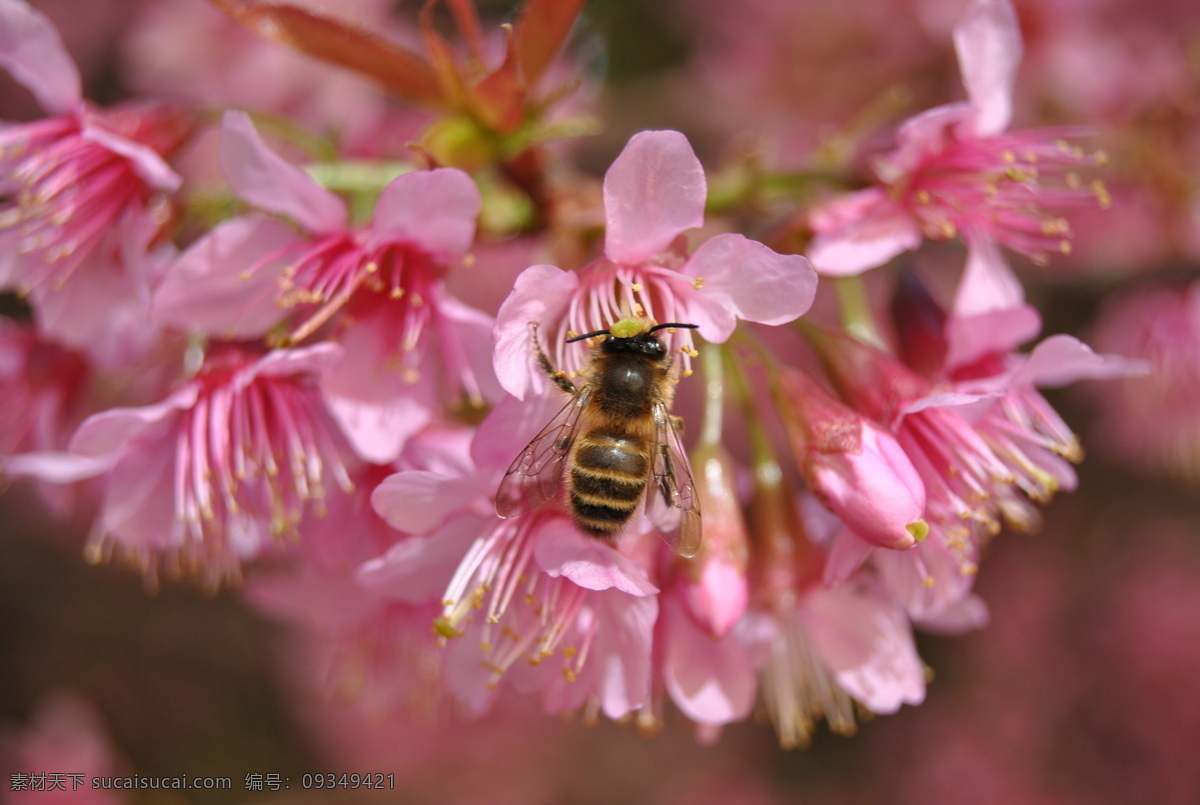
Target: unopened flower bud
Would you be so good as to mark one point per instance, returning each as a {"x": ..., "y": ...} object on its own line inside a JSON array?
[
  {"x": 871, "y": 381},
  {"x": 714, "y": 588},
  {"x": 857, "y": 470}
]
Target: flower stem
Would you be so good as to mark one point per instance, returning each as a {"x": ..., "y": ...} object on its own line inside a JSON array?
[
  {"x": 760, "y": 444},
  {"x": 712, "y": 360},
  {"x": 856, "y": 311}
]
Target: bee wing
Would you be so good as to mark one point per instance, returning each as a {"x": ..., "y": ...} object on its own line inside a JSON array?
[
  {"x": 672, "y": 484},
  {"x": 536, "y": 475}
]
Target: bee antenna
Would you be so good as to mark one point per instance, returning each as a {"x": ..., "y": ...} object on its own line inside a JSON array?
[
  {"x": 673, "y": 324},
  {"x": 587, "y": 335}
]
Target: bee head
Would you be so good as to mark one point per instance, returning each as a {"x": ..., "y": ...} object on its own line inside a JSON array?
[{"x": 633, "y": 335}]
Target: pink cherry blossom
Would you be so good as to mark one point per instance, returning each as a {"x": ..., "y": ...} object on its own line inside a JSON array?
[
  {"x": 837, "y": 646},
  {"x": 218, "y": 470},
  {"x": 87, "y": 189},
  {"x": 363, "y": 595},
  {"x": 817, "y": 650},
  {"x": 654, "y": 191},
  {"x": 533, "y": 602},
  {"x": 955, "y": 171},
  {"x": 986, "y": 446},
  {"x": 44, "y": 387},
  {"x": 412, "y": 348},
  {"x": 45, "y": 399}
]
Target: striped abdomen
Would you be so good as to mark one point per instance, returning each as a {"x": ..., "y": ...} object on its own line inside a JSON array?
[{"x": 607, "y": 479}]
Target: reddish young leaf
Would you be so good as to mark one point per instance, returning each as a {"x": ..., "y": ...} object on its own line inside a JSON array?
[
  {"x": 541, "y": 31},
  {"x": 469, "y": 27},
  {"x": 445, "y": 65},
  {"x": 401, "y": 71},
  {"x": 500, "y": 97}
]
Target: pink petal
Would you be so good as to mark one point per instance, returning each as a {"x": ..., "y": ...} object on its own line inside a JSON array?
[
  {"x": 208, "y": 288},
  {"x": 619, "y": 664},
  {"x": 622, "y": 650},
  {"x": 139, "y": 506},
  {"x": 317, "y": 360},
  {"x": 847, "y": 552},
  {"x": 109, "y": 431},
  {"x": 541, "y": 293},
  {"x": 561, "y": 550},
  {"x": 653, "y": 191},
  {"x": 928, "y": 580},
  {"x": 147, "y": 163},
  {"x": 102, "y": 310},
  {"x": 949, "y": 399},
  {"x": 859, "y": 232},
  {"x": 743, "y": 279},
  {"x": 509, "y": 428},
  {"x": 417, "y": 569},
  {"x": 33, "y": 52},
  {"x": 920, "y": 137},
  {"x": 717, "y": 599},
  {"x": 378, "y": 408},
  {"x": 987, "y": 283},
  {"x": 988, "y": 41},
  {"x": 969, "y": 338},
  {"x": 474, "y": 330},
  {"x": 966, "y": 615},
  {"x": 419, "y": 502},
  {"x": 866, "y": 641},
  {"x": 378, "y": 430},
  {"x": 875, "y": 490},
  {"x": 711, "y": 680},
  {"x": 264, "y": 179},
  {"x": 1062, "y": 359},
  {"x": 433, "y": 210},
  {"x": 58, "y": 468}
]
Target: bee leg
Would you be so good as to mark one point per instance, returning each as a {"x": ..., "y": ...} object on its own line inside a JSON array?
[
  {"x": 559, "y": 377},
  {"x": 677, "y": 424}
]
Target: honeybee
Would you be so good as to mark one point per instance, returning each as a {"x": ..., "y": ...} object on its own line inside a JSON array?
[{"x": 613, "y": 439}]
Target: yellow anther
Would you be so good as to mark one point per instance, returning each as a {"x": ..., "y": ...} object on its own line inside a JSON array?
[{"x": 1015, "y": 174}]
